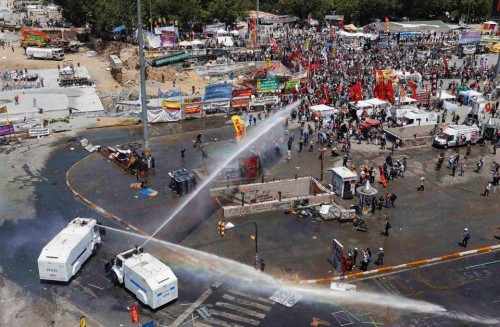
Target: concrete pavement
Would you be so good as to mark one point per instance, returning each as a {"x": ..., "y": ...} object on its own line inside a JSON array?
[{"x": 297, "y": 248}]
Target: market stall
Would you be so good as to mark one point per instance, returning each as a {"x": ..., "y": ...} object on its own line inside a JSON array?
[
  {"x": 322, "y": 110},
  {"x": 361, "y": 108},
  {"x": 344, "y": 182}
]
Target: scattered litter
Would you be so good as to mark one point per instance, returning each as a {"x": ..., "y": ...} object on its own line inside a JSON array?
[
  {"x": 344, "y": 287},
  {"x": 286, "y": 298},
  {"x": 149, "y": 192},
  {"x": 135, "y": 185}
]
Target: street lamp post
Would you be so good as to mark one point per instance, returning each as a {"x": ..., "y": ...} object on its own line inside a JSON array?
[
  {"x": 322, "y": 151},
  {"x": 143, "y": 78},
  {"x": 230, "y": 225}
]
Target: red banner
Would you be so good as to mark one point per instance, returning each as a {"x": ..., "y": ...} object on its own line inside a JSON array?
[
  {"x": 242, "y": 92},
  {"x": 190, "y": 109},
  {"x": 355, "y": 93},
  {"x": 498, "y": 5},
  {"x": 238, "y": 103},
  {"x": 134, "y": 314}
]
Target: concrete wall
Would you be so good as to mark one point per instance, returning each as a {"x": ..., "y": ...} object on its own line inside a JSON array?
[
  {"x": 269, "y": 206},
  {"x": 260, "y": 192}
]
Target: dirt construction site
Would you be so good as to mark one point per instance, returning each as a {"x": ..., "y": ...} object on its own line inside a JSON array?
[{"x": 98, "y": 67}]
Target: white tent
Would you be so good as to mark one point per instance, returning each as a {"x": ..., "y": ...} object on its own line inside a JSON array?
[
  {"x": 185, "y": 44},
  {"x": 221, "y": 31},
  {"x": 446, "y": 96},
  {"x": 235, "y": 32},
  {"x": 377, "y": 102},
  {"x": 405, "y": 101},
  {"x": 323, "y": 110},
  {"x": 197, "y": 42}
]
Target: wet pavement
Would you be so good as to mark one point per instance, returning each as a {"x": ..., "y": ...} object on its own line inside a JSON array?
[{"x": 424, "y": 225}]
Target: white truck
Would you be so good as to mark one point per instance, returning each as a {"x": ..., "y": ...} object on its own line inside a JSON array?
[
  {"x": 65, "y": 254},
  {"x": 45, "y": 53},
  {"x": 153, "y": 283},
  {"x": 456, "y": 135}
]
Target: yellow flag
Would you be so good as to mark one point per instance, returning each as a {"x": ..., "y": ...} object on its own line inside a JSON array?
[{"x": 239, "y": 126}]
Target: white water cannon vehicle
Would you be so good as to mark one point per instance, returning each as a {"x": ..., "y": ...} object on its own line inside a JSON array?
[
  {"x": 152, "y": 282},
  {"x": 65, "y": 254}
]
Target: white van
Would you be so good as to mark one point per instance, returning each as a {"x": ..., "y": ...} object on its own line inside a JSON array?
[{"x": 456, "y": 135}]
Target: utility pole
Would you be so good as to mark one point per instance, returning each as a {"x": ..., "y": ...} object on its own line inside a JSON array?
[
  {"x": 142, "y": 69},
  {"x": 257, "y": 24}
]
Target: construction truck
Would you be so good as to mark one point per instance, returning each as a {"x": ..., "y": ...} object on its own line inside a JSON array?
[
  {"x": 152, "y": 282},
  {"x": 65, "y": 254},
  {"x": 45, "y": 53},
  {"x": 34, "y": 38}
]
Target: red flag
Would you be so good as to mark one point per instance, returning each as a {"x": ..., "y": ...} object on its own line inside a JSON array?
[
  {"x": 389, "y": 91},
  {"x": 413, "y": 87},
  {"x": 355, "y": 93},
  {"x": 380, "y": 91},
  {"x": 134, "y": 314}
]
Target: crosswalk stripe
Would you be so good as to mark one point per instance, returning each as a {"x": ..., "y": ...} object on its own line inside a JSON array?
[
  {"x": 247, "y": 303},
  {"x": 391, "y": 286},
  {"x": 240, "y": 309},
  {"x": 258, "y": 298},
  {"x": 217, "y": 322},
  {"x": 383, "y": 286},
  {"x": 235, "y": 317}
]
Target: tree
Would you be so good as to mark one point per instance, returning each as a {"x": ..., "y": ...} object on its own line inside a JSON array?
[
  {"x": 228, "y": 11},
  {"x": 301, "y": 9}
]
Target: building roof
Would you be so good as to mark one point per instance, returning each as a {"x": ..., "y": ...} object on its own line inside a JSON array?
[{"x": 415, "y": 26}]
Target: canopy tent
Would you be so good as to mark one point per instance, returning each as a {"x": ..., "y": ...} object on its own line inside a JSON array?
[
  {"x": 322, "y": 110},
  {"x": 197, "y": 42},
  {"x": 350, "y": 27},
  {"x": 185, "y": 44},
  {"x": 489, "y": 25},
  {"x": 221, "y": 31},
  {"x": 235, "y": 32},
  {"x": 405, "y": 101},
  {"x": 377, "y": 102},
  {"x": 361, "y": 104},
  {"x": 446, "y": 96},
  {"x": 357, "y": 34},
  {"x": 369, "y": 123}
]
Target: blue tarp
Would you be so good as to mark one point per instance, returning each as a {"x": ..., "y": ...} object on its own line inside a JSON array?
[
  {"x": 119, "y": 29},
  {"x": 169, "y": 94}
]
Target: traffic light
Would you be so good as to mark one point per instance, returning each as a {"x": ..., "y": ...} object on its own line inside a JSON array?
[{"x": 222, "y": 228}]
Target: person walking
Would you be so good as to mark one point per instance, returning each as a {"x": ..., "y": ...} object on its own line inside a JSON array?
[
  {"x": 466, "y": 237},
  {"x": 344, "y": 161},
  {"x": 487, "y": 189},
  {"x": 354, "y": 257},
  {"x": 422, "y": 182},
  {"x": 380, "y": 257},
  {"x": 393, "y": 199},
  {"x": 454, "y": 168},
  {"x": 387, "y": 227},
  {"x": 463, "y": 169},
  {"x": 468, "y": 151}
]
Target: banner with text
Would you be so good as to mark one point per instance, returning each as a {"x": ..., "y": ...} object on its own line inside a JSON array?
[
  {"x": 267, "y": 85},
  {"x": 6, "y": 129},
  {"x": 218, "y": 91}
]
